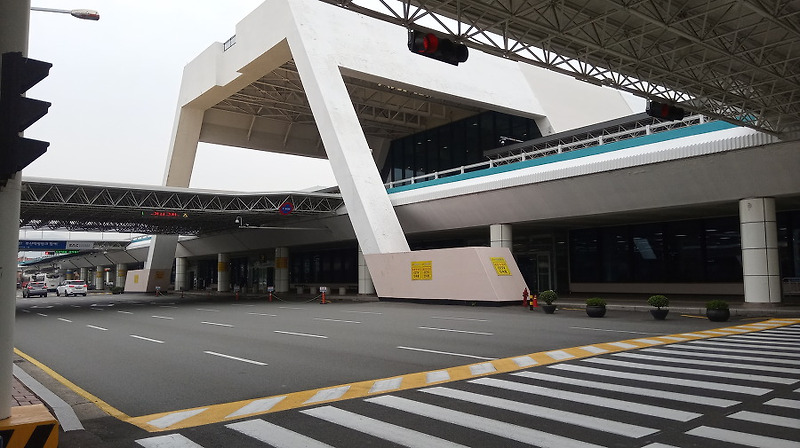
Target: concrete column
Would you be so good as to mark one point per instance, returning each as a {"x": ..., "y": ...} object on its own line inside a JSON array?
[
  {"x": 223, "y": 273},
  {"x": 760, "y": 262},
  {"x": 14, "y": 19},
  {"x": 500, "y": 235},
  {"x": 281, "y": 269},
  {"x": 85, "y": 275},
  {"x": 122, "y": 274},
  {"x": 69, "y": 275},
  {"x": 365, "y": 285},
  {"x": 98, "y": 278},
  {"x": 181, "y": 274}
]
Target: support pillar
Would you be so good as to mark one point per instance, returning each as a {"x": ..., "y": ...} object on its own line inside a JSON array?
[
  {"x": 500, "y": 235},
  {"x": 98, "y": 278},
  {"x": 181, "y": 274},
  {"x": 365, "y": 285},
  {"x": 122, "y": 272},
  {"x": 85, "y": 275},
  {"x": 223, "y": 273},
  {"x": 760, "y": 262},
  {"x": 281, "y": 269},
  {"x": 14, "y": 19}
]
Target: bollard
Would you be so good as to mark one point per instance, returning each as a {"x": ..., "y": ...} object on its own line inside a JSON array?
[
  {"x": 323, "y": 298},
  {"x": 534, "y": 302},
  {"x": 270, "y": 296}
]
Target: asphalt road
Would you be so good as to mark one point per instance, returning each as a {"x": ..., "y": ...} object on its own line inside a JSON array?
[{"x": 144, "y": 356}]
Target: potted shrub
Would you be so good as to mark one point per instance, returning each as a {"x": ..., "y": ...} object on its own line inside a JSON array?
[
  {"x": 660, "y": 303},
  {"x": 548, "y": 297},
  {"x": 117, "y": 290},
  {"x": 595, "y": 307},
  {"x": 718, "y": 311}
]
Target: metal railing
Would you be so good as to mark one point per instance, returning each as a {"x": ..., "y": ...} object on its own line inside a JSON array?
[{"x": 539, "y": 149}]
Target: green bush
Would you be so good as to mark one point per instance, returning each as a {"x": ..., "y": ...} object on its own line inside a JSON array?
[
  {"x": 595, "y": 301},
  {"x": 548, "y": 296},
  {"x": 658, "y": 301},
  {"x": 717, "y": 305},
  {"x": 117, "y": 290}
]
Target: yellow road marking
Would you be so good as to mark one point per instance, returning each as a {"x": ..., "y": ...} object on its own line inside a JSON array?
[{"x": 204, "y": 415}]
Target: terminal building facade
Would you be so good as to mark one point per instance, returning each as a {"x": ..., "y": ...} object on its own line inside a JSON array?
[{"x": 584, "y": 193}]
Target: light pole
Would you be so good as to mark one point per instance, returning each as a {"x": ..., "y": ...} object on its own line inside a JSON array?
[{"x": 86, "y": 14}]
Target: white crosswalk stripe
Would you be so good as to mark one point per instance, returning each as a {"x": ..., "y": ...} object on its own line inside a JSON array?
[{"x": 565, "y": 404}]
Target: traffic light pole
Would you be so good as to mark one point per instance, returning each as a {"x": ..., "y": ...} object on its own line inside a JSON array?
[{"x": 14, "y": 25}]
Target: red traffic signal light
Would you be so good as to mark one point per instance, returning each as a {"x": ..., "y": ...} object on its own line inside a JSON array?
[
  {"x": 435, "y": 47},
  {"x": 17, "y": 113},
  {"x": 664, "y": 111}
]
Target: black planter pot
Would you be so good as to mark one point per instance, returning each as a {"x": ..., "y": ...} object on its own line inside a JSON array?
[
  {"x": 595, "y": 311},
  {"x": 659, "y": 314},
  {"x": 718, "y": 315},
  {"x": 548, "y": 309}
]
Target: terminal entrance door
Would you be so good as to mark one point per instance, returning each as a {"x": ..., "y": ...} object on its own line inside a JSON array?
[{"x": 544, "y": 277}]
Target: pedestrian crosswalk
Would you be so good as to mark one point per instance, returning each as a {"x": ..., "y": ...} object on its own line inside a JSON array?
[{"x": 734, "y": 390}]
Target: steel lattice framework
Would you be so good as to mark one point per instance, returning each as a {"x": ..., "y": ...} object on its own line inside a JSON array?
[
  {"x": 737, "y": 60},
  {"x": 162, "y": 210}
]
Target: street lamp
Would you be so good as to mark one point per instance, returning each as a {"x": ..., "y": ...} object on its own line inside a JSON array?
[{"x": 86, "y": 14}]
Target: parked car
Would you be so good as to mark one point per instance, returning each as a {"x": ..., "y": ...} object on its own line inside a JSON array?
[
  {"x": 35, "y": 289},
  {"x": 71, "y": 288}
]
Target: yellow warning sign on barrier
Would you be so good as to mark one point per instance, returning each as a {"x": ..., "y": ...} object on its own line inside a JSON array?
[
  {"x": 422, "y": 270},
  {"x": 500, "y": 266}
]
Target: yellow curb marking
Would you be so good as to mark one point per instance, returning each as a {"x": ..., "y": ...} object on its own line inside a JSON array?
[{"x": 276, "y": 403}]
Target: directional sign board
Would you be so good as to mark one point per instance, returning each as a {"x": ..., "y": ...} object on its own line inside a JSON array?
[{"x": 54, "y": 245}]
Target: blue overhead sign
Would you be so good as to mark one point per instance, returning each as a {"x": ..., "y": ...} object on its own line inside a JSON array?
[{"x": 39, "y": 245}]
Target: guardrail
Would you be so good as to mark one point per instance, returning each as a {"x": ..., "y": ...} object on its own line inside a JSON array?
[{"x": 558, "y": 146}]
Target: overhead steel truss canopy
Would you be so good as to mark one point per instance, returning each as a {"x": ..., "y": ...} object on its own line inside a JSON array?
[
  {"x": 736, "y": 60},
  {"x": 162, "y": 210}
]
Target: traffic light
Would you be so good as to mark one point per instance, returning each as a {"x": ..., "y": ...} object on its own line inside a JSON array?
[
  {"x": 665, "y": 111},
  {"x": 433, "y": 46},
  {"x": 17, "y": 113}
]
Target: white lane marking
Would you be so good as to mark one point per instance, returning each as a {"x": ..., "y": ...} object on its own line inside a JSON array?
[
  {"x": 208, "y": 310},
  {"x": 648, "y": 341},
  {"x": 718, "y": 374},
  {"x": 623, "y": 345},
  {"x": 482, "y": 369},
  {"x": 217, "y": 324},
  {"x": 784, "y": 403},
  {"x": 380, "y": 429},
  {"x": 498, "y": 428},
  {"x": 263, "y": 314},
  {"x": 694, "y": 335},
  {"x": 146, "y": 339},
  {"x": 456, "y": 331},
  {"x": 168, "y": 306},
  {"x": 328, "y": 394},
  {"x": 444, "y": 353},
  {"x": 337, "y": 320},
  {"x": 611, "y": 403},
  {"x": 767, "y": 419},
  {"x": 593, "y": 349},
  {"x": 435, "y": 377},
  {"x": 363, "y": 312},
  {"x": 64, "y": 320},
  {"x": 559, "y": 355},
  {"x": 97, "y": 328},
  {"x": 459, "y": 318},
  {"x": 611, "y": 331},
  {"x": 175, "y": 417},
  {"x": 705, "y": 362},
  {"x": 741, "y": 438},
  {"x": 689, "y": 352},
  {"x": 235, "y": 358},
  {"x": 647, "y": 392},
  {"x": 275, "y": 435},
  {"x": 733, "y": 350},
  {"x": 301, "y": 334},
  {"x": 385, "y": 385},
  {"x": 168, "y": 441},
  {"x": 256, "y": 407},
  {"x": 525, "y": 361},
  {"x": 759, "y": 339},
  {"x": 42, "y": 314},
  {"x": 163, "y": 317},
  {"x": 124, "y": 312},
  {"x": 663, "y": 379},
  {"x": 576, "y": 419},
  {"x": 672, "y": 338},
  {"x": 758, "y": 345}
]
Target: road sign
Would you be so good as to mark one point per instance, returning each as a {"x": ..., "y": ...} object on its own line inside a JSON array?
[{"x": 286, "y": 208}]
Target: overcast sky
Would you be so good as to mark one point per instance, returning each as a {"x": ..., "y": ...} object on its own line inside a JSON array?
[{"x": 114, "y": 88}]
